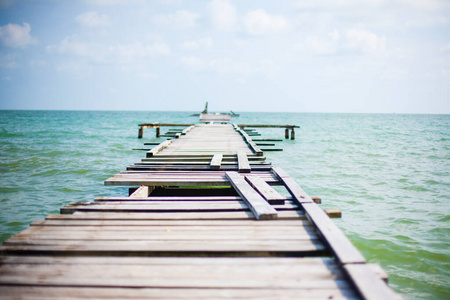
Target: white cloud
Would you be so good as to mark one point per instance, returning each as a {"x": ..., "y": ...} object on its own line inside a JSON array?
[
  {"x": 335, "y": 35},
  {"x": 258, "y": 22},
  {"x": 194, "y": 63},
  {"x": 321, "y": 46},
  {"x": 205, "y": 43},
  {"x": 16, "y": 36},
  {"x": 69, "y": 46},
  {"x": 114, "y": 54},
  {"x": 93, "y": 19},
  {"x": 264, "y": 68},
  {"x": 148, "y": 75},
  {"x": 366, "y": 41},
  {"x": 179, "y": 19},
  {"x": 136, "y": 51},
  {"x": 337, "y": 4},
  {"x": 222, "y": 14},
  {"x": 424, "y": 4}
]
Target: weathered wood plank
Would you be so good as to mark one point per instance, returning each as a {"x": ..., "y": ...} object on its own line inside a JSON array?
[
  {"x": 168, "y": 247},
  {"x": 221, "y": 273},
  {"x": 341, "y": 246},
  {"x": 236, "y": 215},
  {"x": 216, "y": 162},
  {"x": 73, "y": 223},
  {"x": 178, "y": 178},
  {"x": 243, "y": 164},
  {"x": 272, "y": 196},
  {"x": 170, "y": 198},
  {"x": 99, "y": 234},
  {"x": 142, "y": 191},
  {"x": 296, "y": 191},
  {"x": 257, "y": 204},
  {"x": 368, "y": 283},
  {"x": 287, "y": 231},
  {"x": 341, "y": 291},
  {"x": 164, "y": 206},
  {"x": 158, "y": 148}
]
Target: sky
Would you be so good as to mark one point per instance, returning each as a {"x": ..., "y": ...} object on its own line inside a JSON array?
[{"x": 355, "y": 56}]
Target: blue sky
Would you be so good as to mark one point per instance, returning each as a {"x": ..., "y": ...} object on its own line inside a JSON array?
[{"x": 374, "y": 56}]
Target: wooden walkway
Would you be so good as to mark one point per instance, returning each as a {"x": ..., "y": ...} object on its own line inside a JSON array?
[{"x": 205, "y": 222}]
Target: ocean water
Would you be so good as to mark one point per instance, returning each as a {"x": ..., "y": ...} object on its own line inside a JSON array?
[{"x": 389, "y": 174}]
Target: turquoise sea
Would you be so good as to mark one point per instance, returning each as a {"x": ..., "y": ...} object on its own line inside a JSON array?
[{"x": 389, "y": 174}]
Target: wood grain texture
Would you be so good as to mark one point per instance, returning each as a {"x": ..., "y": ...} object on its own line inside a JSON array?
[{"x": 261, "y": 209}]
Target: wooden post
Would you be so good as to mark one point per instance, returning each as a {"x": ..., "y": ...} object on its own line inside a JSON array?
[
  {"x": 158, "y": 131},
  {"x": 286, "y": 133},
  {"x": 292, "y": 134},
  {"x": 141, "y": 132}
]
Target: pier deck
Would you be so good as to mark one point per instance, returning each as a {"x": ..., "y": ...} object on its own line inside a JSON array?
[{"x": 209, "y": 218}]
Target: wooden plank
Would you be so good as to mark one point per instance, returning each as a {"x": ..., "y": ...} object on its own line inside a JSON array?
[
  {"x": 198, "y": 163},
  {"x": 198, "y": 247},
  {"x": 157, "y": 124},
  {"x": 235, "y": 215},
  {"x": 272, "y": 196},
  {"x": 370, "y": 286},
  {"x": 98, "y": 234},
  {"x": 168, "y": 205},
  {"x": 267, "y": 126},
  {"x": 199, "y": 156},
  {"x": 178, "y": 178},
  {"x": 142, "y": 191},
  {"x": 261, "y": 209},
  {"x": 170, "y": 198},
  {"x": 216, "y": 161},
  {"x": 174, "y": 167},
  {"x": 163, "y": 206},
  {"x": 341, "y": 290},
  {"x": 288, "y": 232},
  {"x": 73, "y": 223},
  {"x": 195, "y": 158},
  {"x": 185, "y": 131},
  {"x": 340, "y": 245},
  {"x": 158, "y": 148},
  {"x": 243, "y": 165},
  {"x": 244, "y": 273},
  {"x": 294, "y": 189},
  {"x": 267, "y": 140},
  {"x": 250, "y": 143}
]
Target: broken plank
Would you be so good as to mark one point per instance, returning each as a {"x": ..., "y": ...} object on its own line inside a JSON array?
[
  {"x": 272, "y": 196},
  {"x": 216, "y": 161},
  {"x": 260, "y": 207},
  {"x": 158, "y": 148}
]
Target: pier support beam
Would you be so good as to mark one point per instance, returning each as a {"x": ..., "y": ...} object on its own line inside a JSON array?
[
  {"x": 292, "y": 134},
  {"x": 141, "y": 132},
  {"x": 158, "y": 131},
  {"x": 286, "y": 133}
]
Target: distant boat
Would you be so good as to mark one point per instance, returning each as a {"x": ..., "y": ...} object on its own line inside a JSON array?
[{"x": 205, "y": 111}]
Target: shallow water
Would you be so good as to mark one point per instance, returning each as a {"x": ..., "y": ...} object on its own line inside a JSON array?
[{"x": 388, "y": 174}]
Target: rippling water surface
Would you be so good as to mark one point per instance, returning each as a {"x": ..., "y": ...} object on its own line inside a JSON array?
[{"x": 388, "y": 174}]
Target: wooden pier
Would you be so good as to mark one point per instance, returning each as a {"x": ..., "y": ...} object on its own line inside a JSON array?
[{"x": 207, "y": 217}]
